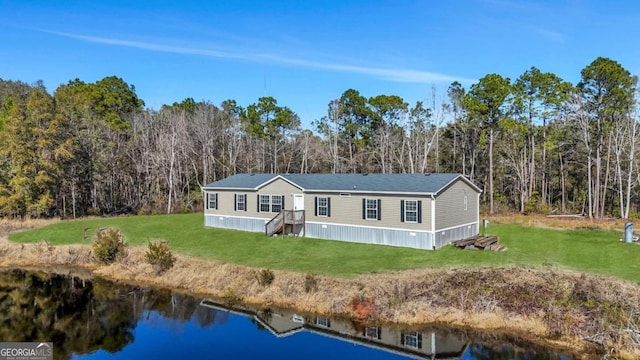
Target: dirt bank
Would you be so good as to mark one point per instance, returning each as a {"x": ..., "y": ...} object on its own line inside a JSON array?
[{"x": 583, "y": 313}]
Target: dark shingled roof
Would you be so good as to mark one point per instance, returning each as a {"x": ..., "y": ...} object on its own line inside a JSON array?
[{"x": 407, "y": 183}]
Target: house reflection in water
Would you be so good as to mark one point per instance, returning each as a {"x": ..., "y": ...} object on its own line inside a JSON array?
[{"x": 420, "y": 344}]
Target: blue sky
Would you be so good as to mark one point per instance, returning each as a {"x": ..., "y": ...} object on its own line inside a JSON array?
[{"x": 306, "y": 53}]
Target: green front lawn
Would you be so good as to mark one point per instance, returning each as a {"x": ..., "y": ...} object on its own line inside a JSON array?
[{"x": 584, "y": 250}]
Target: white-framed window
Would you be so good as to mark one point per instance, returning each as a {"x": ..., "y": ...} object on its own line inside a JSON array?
[
  {"x": 323, "y": 206},
  {"x": 265, "y": 203},
  {"x": 371, "y": 209},
  {"x": 372, "y": 332},
  {"x": 411, "y": 211},
  {"x": 465, "y": 203},
  {"x": 241, "y": 202},
  {"x": 323, "y": 321},
  {"x": 212, "y": 201},
  {"x": 270, "y": 203},
  {"x": 276, "y": 203},
  {"x": 412, "y": 340}
]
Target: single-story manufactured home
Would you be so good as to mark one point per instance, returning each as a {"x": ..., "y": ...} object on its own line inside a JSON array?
[{"x": 423, "y": 211}]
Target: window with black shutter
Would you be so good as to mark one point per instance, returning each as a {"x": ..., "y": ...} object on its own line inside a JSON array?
[
  {"x": 371, "y": 209},
  {"x": 322, "y": 206},
  {"x": 240, "y": 202},
  {"x": 212, "y": 201}
]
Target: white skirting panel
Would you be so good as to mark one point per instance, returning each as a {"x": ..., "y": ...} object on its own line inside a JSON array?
[
  {"x": 444, "y": 237},
  {"x": 359, "y": 234},
  {"x": 236, "y": 223},
  {"x": 371, "y": 235}
]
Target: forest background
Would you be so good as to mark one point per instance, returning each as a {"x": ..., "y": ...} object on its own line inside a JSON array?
[{"x": 533, "y": 144}]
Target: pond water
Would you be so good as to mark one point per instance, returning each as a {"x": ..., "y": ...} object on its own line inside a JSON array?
[{"x": 100, "y": 319}]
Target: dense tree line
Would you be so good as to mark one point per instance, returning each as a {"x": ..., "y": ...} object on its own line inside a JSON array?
[{"x": 534, "y": 144}]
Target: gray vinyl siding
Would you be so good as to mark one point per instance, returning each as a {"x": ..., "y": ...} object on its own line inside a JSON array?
[
  {"x": 371, "y": 235},
  {"x": 226, "y": 205},
  {"x": 450, "y": 210},
  {"x": 281, "y": 187},
  {"x": 226, "y": 199},
  {"x": 348, "y": 211}
]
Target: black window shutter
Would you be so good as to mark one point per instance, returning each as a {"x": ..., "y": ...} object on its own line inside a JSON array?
[
  {"x": 258, "y": 201},
  {"x": 328, "y": 207},
  {"x": 379, "y": 209},
  {"x": 216, "y": 201},
  {"x": 282, "y": 202},
  {"x": 235, "y": 202},
  {"x": 246, "y": 201},
  {"x": 402, "y": 335},
  {"x": 364, "y": 208},
  {"x": 315, "y": 206},
  {"x": 401, "y": 210},
  {"x": 419, "y": 340},
  {"x": 419, "y": 211}
]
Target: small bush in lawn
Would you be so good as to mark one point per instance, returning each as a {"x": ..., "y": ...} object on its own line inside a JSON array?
[
  {"x": 109, "y": 245},
  {"x": 265, "y": 277},
  {"x": 310, "y": 283},
  {"x": 159, "y": 256}
]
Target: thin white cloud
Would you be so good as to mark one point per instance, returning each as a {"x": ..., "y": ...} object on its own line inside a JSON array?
[
  {"x": 151, "y": 46},
  {"x": 390, "y": 74}
]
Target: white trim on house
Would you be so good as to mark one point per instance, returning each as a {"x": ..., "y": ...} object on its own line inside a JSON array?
[
  {"x": 205, "y": 189},
  {"x": 270, "y": 203},
  {"x": 367, "y": 208},
  {"x": 433, "y": 213},
  {"x": 456, "y": 226},
  {"x": 478, "y": 211},
  {"x": 325, "y": 206},
  {"x": 276, "y": 178},
  {"x": 237, "y": 197},
  {"x": 372, "y": 192},
  {"x": 415, "y": 212},
  {"x": 464, "y": 178},
  {"x": 241, "y": 217}
]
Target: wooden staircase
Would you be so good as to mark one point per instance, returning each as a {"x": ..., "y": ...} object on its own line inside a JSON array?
[{"x": 286, "y": 220}]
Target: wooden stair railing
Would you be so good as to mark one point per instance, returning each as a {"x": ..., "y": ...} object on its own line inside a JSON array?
[
  {"x": 275, "y": 225},
  {"x": 285, "y": 217}
]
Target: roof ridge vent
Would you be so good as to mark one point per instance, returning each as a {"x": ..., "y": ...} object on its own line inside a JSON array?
[
  {"x": 427, "y": 174},
  {"x": 365, "y": 174}
]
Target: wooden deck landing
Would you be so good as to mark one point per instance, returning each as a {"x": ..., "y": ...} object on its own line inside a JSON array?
[{"x": 286, "y": 222}]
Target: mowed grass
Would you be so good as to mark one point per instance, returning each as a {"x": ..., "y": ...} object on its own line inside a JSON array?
[{"x": 594, "y": 251}]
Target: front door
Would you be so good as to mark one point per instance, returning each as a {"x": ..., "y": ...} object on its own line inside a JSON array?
[{"x": 298, "y": 201}]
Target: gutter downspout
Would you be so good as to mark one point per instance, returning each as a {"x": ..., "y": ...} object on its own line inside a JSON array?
[
  {"x": 433, "y": 220},
  {"x": 478, "y": 214}
]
